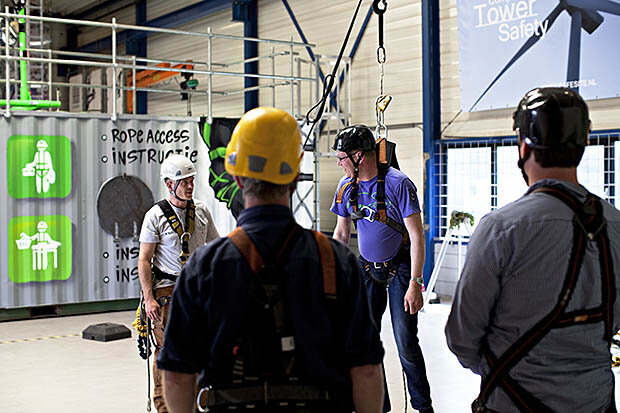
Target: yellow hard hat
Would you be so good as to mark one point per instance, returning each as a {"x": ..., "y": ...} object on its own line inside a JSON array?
[{"x": 265, "y": 145}]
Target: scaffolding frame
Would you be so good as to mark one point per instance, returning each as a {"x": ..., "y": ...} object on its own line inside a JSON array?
[
  {"x": 120, "y": 63},
  {"x": 340, "y": 111}
]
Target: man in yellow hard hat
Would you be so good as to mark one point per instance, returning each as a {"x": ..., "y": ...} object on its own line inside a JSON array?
[{"x": 274, "y": 317}]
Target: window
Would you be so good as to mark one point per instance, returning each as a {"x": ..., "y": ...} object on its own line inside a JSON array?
[
  {"x": 478, "y": 175},
  {"x": 591, "y": 170},
  {"x": 469, "y": 182},
  {"x": 510, "y": 183}
]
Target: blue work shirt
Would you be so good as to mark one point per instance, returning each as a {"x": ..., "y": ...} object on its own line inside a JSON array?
[
  {"x": 212, "y": 294},
  {"x": 516, "y": 264}
]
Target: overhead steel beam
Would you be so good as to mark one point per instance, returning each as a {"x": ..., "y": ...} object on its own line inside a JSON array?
[
  {"x": 96, "y": 8},
  {"x": 246, "y": 11},
  {"x": 138, "y": 47},
  {"x": 170, "y": 20}
]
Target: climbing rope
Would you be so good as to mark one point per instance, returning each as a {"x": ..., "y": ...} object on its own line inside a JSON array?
[
  {"x": 328, "y": 82},
  {"x": 141, "y": 329}
]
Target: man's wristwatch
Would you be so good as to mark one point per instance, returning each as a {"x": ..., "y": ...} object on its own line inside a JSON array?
[{"x": 418, "y": 280}]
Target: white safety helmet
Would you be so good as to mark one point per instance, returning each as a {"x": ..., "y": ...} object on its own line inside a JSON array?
[
  {"x": 42, "y": 226},
  {"x": 41, "y": 144},
  {"x": 177, "y": 167}
]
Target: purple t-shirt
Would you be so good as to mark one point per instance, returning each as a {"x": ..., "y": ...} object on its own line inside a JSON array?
[{"x": 376, "y": 241}]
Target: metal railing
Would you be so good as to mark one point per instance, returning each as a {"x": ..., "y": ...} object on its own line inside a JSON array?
[{"x": 126, "y": 67}]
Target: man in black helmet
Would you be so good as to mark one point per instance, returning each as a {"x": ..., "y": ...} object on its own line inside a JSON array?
[
  {"x": 536, "y": 304},
  {"x": 382, "y": 202}
]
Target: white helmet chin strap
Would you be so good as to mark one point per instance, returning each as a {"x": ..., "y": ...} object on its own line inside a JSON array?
[{"x": 174, "y": 191}]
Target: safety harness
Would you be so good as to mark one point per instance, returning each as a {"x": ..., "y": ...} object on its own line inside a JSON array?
[
  {"x": 264, "y": 369},
  {"x": 173, "y": 220},
  {"x": 386, "y": 157},
  {"x": 589, "y": 224},
  {"x": 142, "y": 324}
]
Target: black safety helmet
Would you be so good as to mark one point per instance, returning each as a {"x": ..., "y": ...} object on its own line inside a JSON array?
[
  {"x": 356, "y": 137},
  {"x": 552, "y": 119}
]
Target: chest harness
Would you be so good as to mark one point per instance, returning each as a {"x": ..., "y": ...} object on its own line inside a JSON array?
[
  {"x": 173, "y": 220},
  {"x": 589, "y": 224},
  {"x": 264, "y": 369},
  {"x": 386, "y": 157}
]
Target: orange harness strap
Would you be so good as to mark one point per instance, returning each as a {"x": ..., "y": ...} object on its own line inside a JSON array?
[
  {"x": 328, "y": 259},
  {"x": 328, "y": 263}
]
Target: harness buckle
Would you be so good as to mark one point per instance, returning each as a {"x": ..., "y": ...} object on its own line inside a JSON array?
[
  {"x": 372, "y": 214},
  {"x": 184, "y": 235},
  {"x": 380, "y": 265}
]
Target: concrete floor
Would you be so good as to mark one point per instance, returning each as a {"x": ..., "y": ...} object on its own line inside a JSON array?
[{"x": 67, "y": 374}]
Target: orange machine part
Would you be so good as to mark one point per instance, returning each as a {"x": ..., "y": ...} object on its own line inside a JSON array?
[{"x": 148, "y": 77}]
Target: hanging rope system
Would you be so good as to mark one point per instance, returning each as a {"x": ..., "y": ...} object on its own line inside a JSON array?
[
  {"x": 383, "y": 100},
  {"x": 328, "y": 82}
]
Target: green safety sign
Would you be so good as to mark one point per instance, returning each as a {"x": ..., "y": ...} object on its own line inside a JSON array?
[
  {"x": 38, "y": 166},
  {"x": 39, "y": 248}
]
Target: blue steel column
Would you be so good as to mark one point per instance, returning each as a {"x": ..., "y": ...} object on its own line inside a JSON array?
[
  {"x": 250, "y": 50},
  {"x": 432, "y": 123},
  {"x": 136, "y": 45}
]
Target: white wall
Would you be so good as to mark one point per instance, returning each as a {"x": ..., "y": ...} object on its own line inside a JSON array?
[
  {"x": 166, "y": 46},
  {"x": 90, "y": 34}
]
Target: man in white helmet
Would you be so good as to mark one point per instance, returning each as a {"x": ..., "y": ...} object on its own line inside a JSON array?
[{"x": 172, "y": 229}]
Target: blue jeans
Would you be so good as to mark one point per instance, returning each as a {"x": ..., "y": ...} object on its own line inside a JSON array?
[{"x": 405, "y": 328}]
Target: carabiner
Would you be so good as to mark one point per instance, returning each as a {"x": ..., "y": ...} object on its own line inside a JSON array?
[
  {"x": 381, "y": 55},
  {"x": 378, "y": 134},
  {"x": 202, "y": 409}
]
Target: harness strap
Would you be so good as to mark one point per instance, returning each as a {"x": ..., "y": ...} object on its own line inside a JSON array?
[
  {"x": 173, "y": 220},
  {"x": 595, "y": 227},
  {"x": 328, "y": 261},
  {"x": 382, "y": 151},
  {"x": 341, "y": 192},
  {"x": 519, "y": 396},
  {"x": 355, "y": 187},
  {"x": 588, "y": 223},
  {"x": 247, "y": 248}
]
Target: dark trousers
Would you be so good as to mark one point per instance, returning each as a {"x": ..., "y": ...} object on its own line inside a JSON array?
[{"x": 405, "y": 327}]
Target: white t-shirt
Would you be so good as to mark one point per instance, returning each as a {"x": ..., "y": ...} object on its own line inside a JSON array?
[{"x": 156, "y": 229}]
